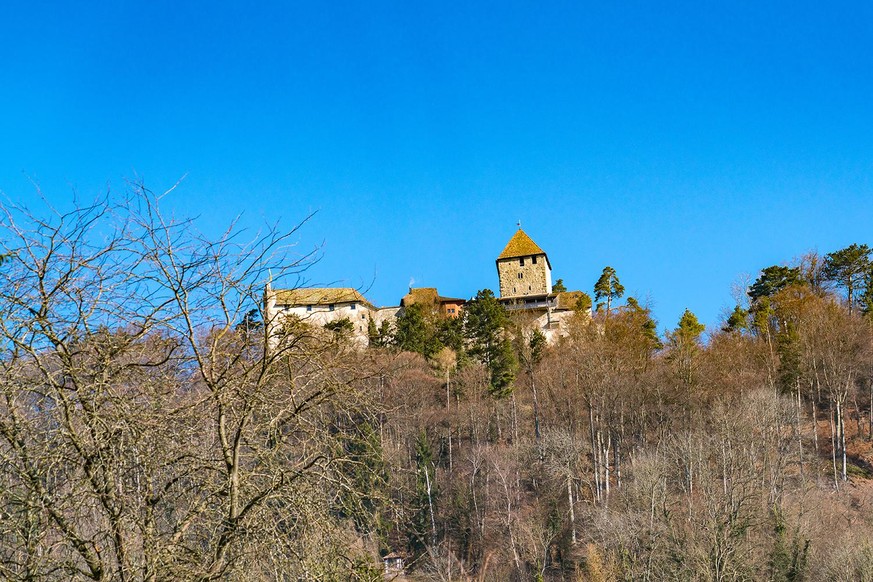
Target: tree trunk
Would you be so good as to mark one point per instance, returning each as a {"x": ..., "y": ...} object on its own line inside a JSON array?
[
  {"x": 570, "y": 501},
  {"x": 833, "y": 446},
  {"x": 841, "y": 424},
  {"x": 798, "y": 421},
  {"x": 430, "y": 505},
  {"x": 594, "y": 452}
]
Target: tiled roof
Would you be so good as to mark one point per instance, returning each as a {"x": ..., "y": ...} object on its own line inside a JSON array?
[
  {"x": 520, "y": 245},
  {"x": 318, "y": 296}
]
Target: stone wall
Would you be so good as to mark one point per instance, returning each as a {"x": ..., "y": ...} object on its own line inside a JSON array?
[{"x": 535, "y": 279}]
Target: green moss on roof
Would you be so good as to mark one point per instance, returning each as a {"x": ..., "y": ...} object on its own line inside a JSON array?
[
  {"x": 424, "y": 295},
  {"x": 569, "y": 300},
  {"x": 520, "y": 245},
  {"x": 318, "y": 296}
]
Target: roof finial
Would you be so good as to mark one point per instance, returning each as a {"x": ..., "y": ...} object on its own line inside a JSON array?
[{"x": 519, "y": 224}]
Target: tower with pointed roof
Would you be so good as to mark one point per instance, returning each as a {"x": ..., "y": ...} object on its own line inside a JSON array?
[{"x": 523, "y": 269}]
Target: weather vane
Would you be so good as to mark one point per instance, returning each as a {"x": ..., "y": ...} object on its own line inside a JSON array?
[{"x": 519, "y": 224}]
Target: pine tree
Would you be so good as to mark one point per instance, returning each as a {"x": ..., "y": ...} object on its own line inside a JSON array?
[
  {"x": 737, "y": 321},
  {"x": 848, "y": 268},
  {"x": 866, "y": 298},
  {"x": 772, "y": 279},
  {"x": 685, "y": 343},
  {"x": 608, "y": 287}
]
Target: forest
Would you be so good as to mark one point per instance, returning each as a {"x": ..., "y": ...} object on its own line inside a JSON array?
[{"x": 151, "y": 430}]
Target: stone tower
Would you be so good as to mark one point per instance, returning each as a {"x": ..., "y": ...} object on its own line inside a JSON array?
[{"x": 523, "y": 269}]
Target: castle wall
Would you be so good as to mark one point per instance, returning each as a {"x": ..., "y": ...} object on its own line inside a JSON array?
[
  {"x": 319, "y": 315},
  {"x": 534, "y": 279}
]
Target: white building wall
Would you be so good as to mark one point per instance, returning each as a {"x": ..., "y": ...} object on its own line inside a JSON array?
[{"x": 318, "y": 316}]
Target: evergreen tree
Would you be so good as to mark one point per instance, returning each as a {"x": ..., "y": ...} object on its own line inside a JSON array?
[
  {"x": 608, "y": 287},
  {"x": 503, "y": 368},
  {"x": 848, "y": 268},
  {"x": 537, "y": 346},
  {"x": 373, "y": 334},
  {"x": 559, "y": 287},
  {"x": 648, "y": 325},
  {"x": 364, "y": 469},
  {"x": 685, "y": 343},
  {"x": 787, "y": 346},
  {"x": 415, "y": 332},
  {"x": 450, "y": 333},
  {"x": 866, "y": 298},
  {"x": 583, "y": 303},
  {"x": 737, "y": 321},
  {"x": 341, "y": 328},
  {"x": 485, "y": 324},
  {"x": 423, "y": 521},
  {"x": 773, "y": 279}
]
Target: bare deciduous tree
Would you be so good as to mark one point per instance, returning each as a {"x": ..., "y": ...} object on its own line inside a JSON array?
[{"x": 144, "y": 433}]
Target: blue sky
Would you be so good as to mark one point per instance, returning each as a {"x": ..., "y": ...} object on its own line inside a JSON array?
[{"x": 682, "y": 143}]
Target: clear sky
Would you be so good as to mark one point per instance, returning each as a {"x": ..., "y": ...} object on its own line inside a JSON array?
[{"x": 682, "y": 143}]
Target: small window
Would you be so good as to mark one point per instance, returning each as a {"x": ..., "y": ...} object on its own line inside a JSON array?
[
  {"x": 363, "y": 316},
  {"x": 331, "y": 307},
  {"x": 521, "y": 262},
  {"x": 308, "y": 308},
  {"x": 521, "y": 275},
  {"x": 534, "y": 260},
  {"x": 528, "y": 288},
  {"x": 353, "y": 306}
]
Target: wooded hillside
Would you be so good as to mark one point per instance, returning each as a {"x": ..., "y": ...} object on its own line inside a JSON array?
[{"x": 149, "y": 431}]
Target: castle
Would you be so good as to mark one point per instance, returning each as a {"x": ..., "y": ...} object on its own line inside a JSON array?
[{"x": 525, "y": 288}]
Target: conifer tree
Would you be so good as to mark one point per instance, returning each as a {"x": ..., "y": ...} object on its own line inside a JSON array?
[
  {"x": 608, "y": 287},
  {"x": 772, "y": 279},
  {"x": 373, "y": 334},
  {"x": 649, "y": 326},
  {"x": 415, "y": 332},
  {"x": 485, "y": 327},
  {"x": 737, "y": 321},
  {"x": 847, "y": 268},
  {"x": 866, "y": 298},
  {"x": 685, "y": 343}
]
